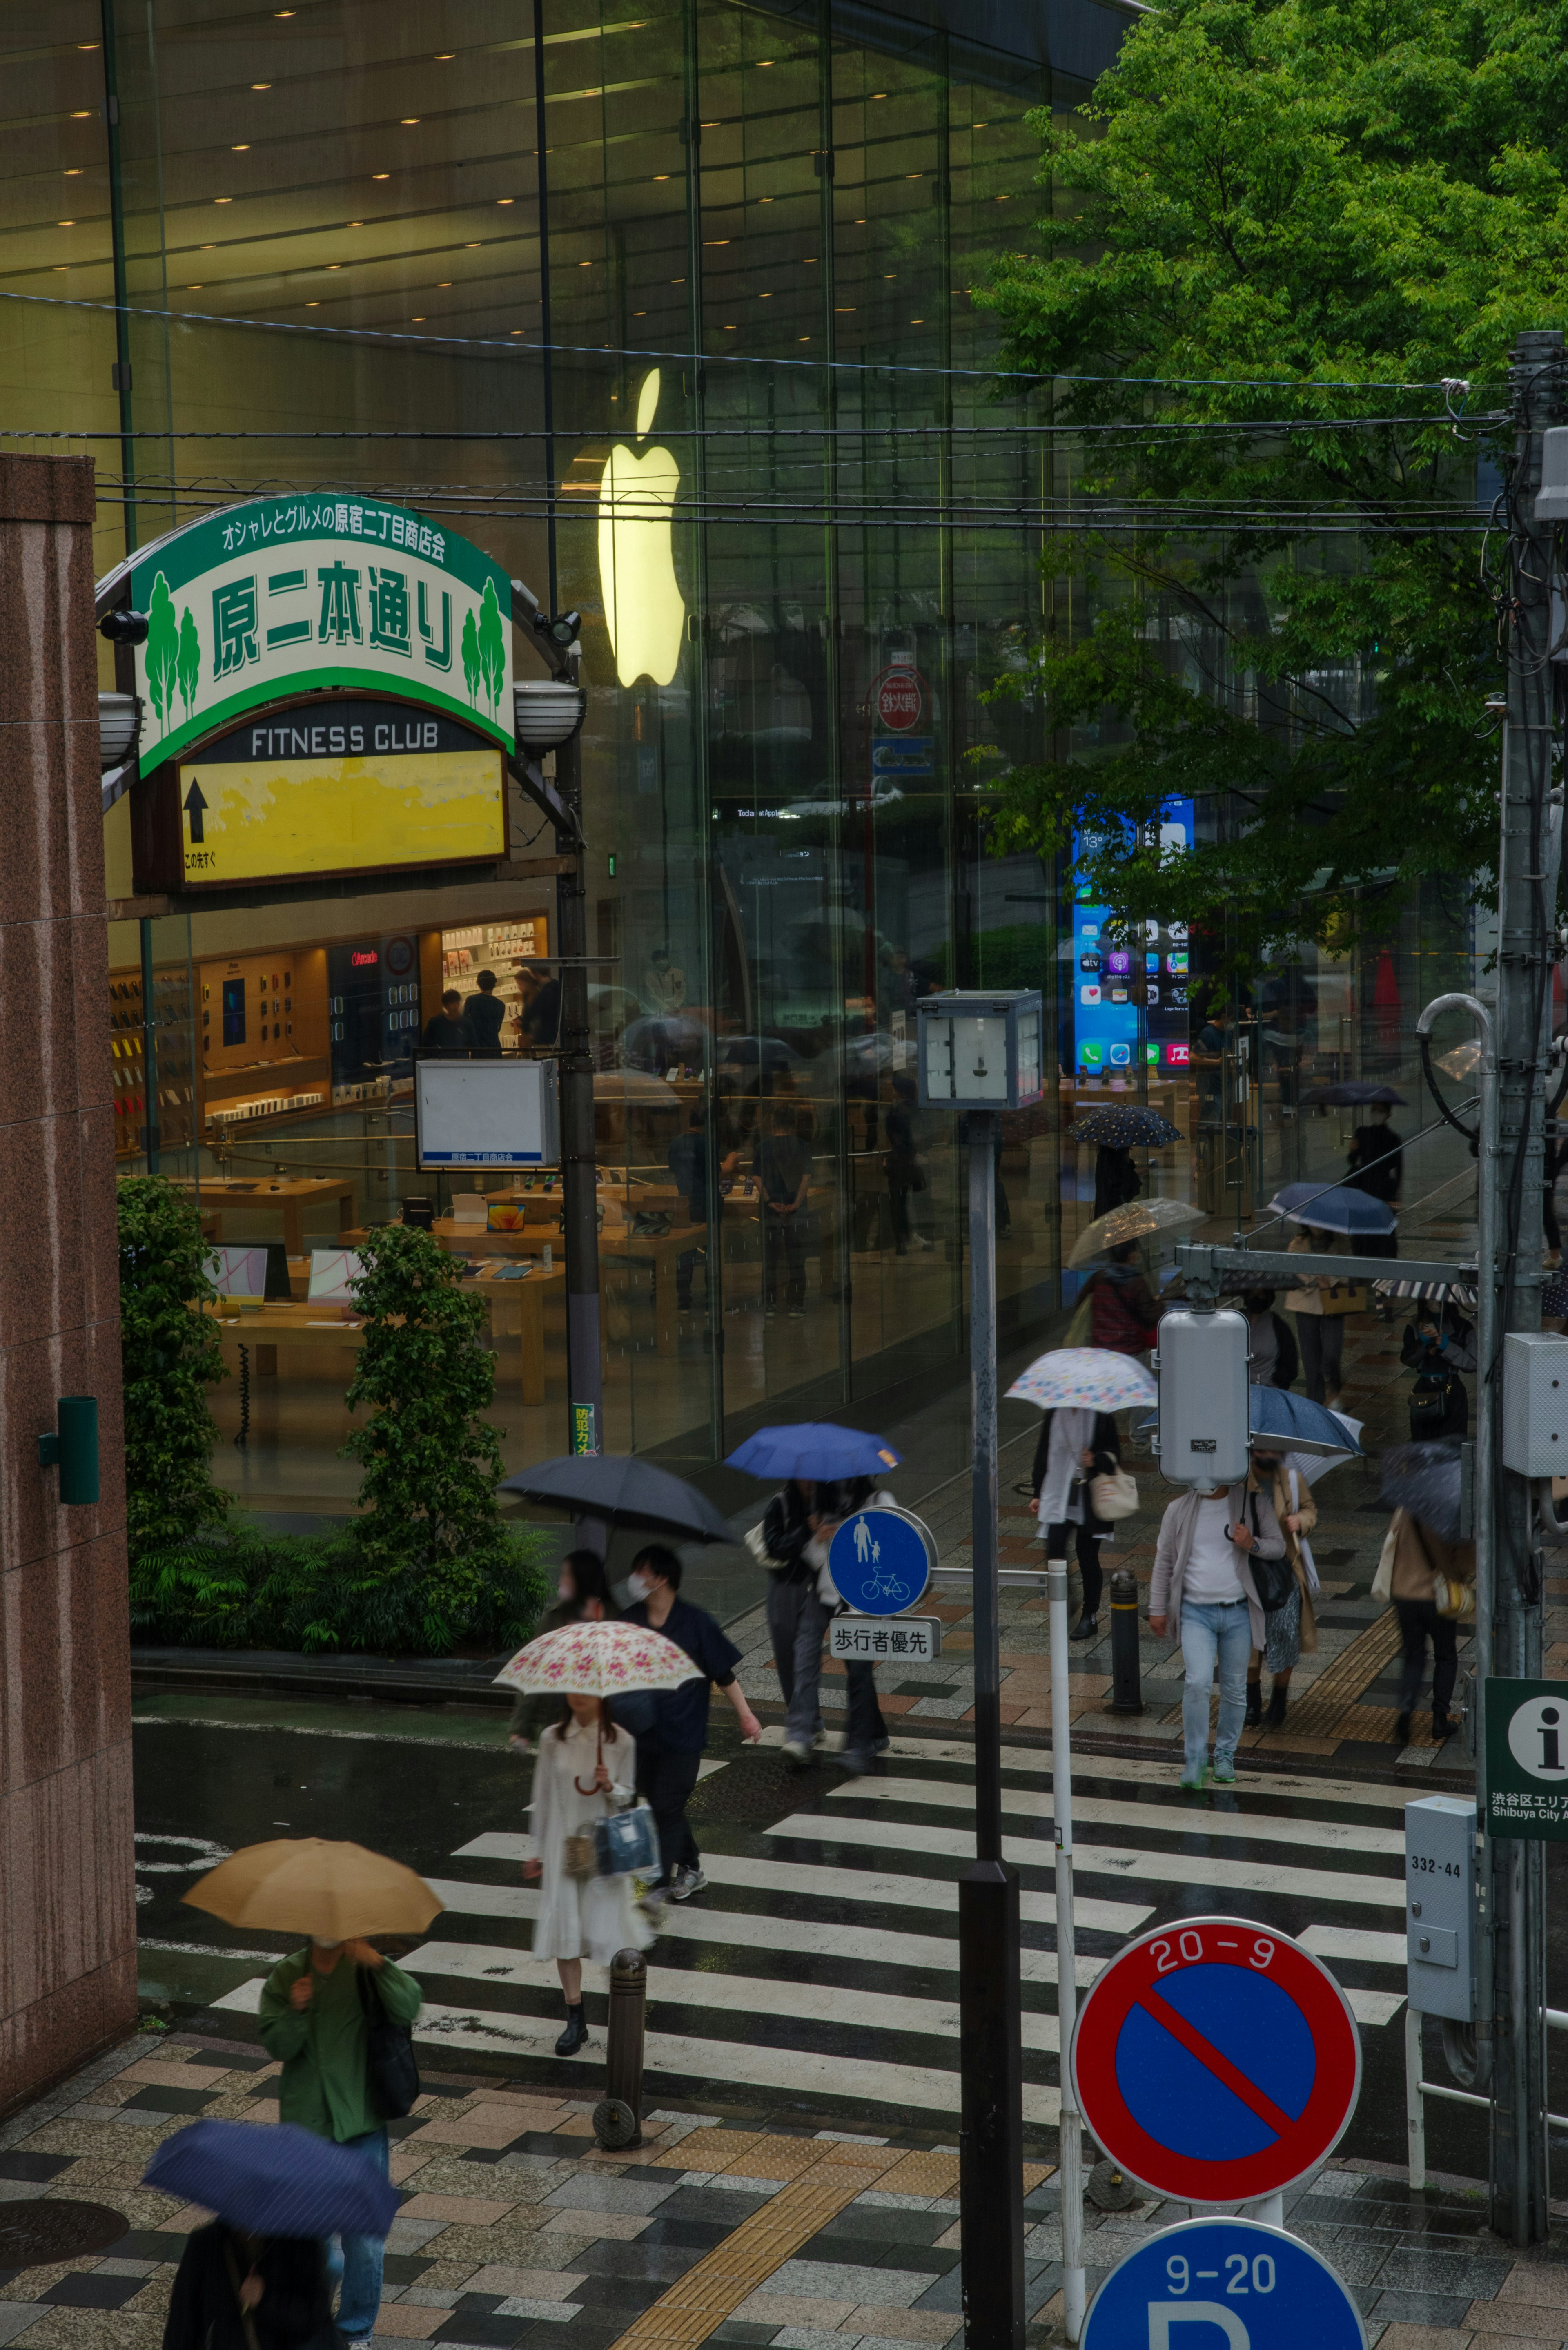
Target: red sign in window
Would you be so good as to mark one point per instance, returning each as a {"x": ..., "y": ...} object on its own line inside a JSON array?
[
  {"x": 898, "y": 697},
  {"x": 364, "y": 958},
  {"x": 1178, "y": 1056}
]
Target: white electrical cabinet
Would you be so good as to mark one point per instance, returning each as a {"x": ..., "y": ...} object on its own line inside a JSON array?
[
  {"x": 1535, "y": 1403},
  {"x": 1440, "y": 1905},
  {"x": 1202, "y": 1367}
]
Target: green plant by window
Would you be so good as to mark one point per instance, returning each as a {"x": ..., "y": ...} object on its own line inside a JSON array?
[
  {"x": 428, "y": 1509},
  {"x": 169, "y": 1355}
]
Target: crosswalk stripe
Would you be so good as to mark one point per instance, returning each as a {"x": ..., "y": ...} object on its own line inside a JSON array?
[
  {"x": 1135, "y": 1770},
  {"x": 750, "y": 2064},
  {"x": 1127, "y": 1862},
  {"x": 1357, "y": 1943},
  {"x": 808, "y": 2002},
  {"x": 1160, "y": 1819},
  {"x": 863, "y": 1886}
]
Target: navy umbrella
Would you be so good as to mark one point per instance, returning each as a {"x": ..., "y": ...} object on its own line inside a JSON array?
[
  {"x": 1350, "y": 1092},
  {"x": 625, "y": 1491},
  {"x": 1339, "y": 1209},
  {"x": 1295, "y": 1423},
  {"x": 814, "y": 1449},
  {"x": 1425, "y": 1479},
  {"x": 1119, "y": 1127},
  {"x": 275, "y": 2179}
]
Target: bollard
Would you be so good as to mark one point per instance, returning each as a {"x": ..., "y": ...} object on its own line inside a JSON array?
[
  {"x": 617, "y": 2117},
  {"x": 1126, "y": 1694}
]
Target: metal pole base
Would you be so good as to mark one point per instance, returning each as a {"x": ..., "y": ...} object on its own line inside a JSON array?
[
  {"x": 1127, "y": 1686},
  {"x": 990, "y": 2138}
]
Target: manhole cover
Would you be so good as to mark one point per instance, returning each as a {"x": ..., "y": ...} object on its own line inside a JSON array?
[{"x": 33, "y": 2234}]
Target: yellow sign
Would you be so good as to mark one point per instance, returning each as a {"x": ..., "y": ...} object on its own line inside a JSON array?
[{"x": 262, "y": 819}]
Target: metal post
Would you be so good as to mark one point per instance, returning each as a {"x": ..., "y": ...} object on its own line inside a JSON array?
[
  {"x": 990, "y": 2183},
  {"x": 1527, "y": 899},
  {"x": 617, "y": 2118},
  {"x": 1070, "y": 2134},
  {"x": 1127, "y": 1684},
  {"x": 149, "y": 1049},
  {"x": 579, "y": 1205},
  {"x": 1414, "y": 2108}
]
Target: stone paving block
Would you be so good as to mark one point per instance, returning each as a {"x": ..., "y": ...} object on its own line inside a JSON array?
[
  {"x": 412, "y": 2235},
  {"x": 556, "y": 2312},
  {"x": 1538, "y": 2282},
  {"x": 15, "y": 2317},
  {"x": 1424, "y": 2270},
  {"x": 768, "y": 2307},
  {"x": 535, "y": 2284},
  {"x": 478, "y": 2211},
  {"x": 1413, "y": 2308},
  {"x": 882, "y": 2324},
  {"x": 617, "y": 2225},
  {"x": 493, "y": 2126},
  {"x": 899, "y": 2288},
  {"x": 590, "y": 2194},
  {"x": 407, "y": 2322},
  {"x": 1529, "y": 2320}
]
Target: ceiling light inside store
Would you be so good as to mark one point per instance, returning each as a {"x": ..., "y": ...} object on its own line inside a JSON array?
[
  {"x": 75, "y": 172},
  {"x": 444, "y": 56},
  {"x": 335, "y": 265},
  {"x": 879, "y": 93},
  {"x": 766, "y": 298},
  {"x": 261, "y": 85},
  {"x": 243, "y": 147},
  {"x": 420, "y": 320},
  {"x": 192, "y": 290},
  {"x": 980, "y": 126},
  {"x": 661, "y": 176},
  {"x": 65, "y": 224},
  {"x": 223, "y": 199},
  {"x": 443, "y": 285},
  {"x": 313, "y": 305},
  {"x": 86, "y": 45},
  {"x": 380, "y": 175},
  {"x": 505, "y": 200},
  {"x": 765, "y": 61},
  {"x": 407, "y": 118}
]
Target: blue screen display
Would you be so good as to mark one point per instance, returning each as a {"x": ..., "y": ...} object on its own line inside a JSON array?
[{"x": 1100, "y": 1035}]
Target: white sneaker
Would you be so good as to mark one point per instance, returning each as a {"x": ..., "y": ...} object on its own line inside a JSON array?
[{"x": 794, "y": 1752}]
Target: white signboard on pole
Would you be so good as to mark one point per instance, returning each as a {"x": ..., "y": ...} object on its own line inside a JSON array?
[{"x": 499, "y": 1113}]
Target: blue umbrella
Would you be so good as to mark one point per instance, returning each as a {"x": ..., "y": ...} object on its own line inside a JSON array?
[
  {"x": 1295, "y": 1423},
  {"x": 814, "y": 1449},
  {"x": 626, "y": 1492},
  {"x": 1340, "y": 1208},
  {"x": 1424, "y": 1479},
  {"x": 275, "y": 2179}
]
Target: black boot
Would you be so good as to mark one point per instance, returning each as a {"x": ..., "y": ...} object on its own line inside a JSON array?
[
  {"x": 1087, "y": 1628},
  {"x": 575, "y": 2032},
  {"x": 1276, "y": 1713},
  {"x": 1443, "y": 1726},
  {"x": 1254, "y": 1705},
  {"x": 1402, "y": 1729}
]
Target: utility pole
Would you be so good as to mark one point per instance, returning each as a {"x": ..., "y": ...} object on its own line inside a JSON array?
[
  {"x": 1513, "y": 1870},
  {"x": 559, "y": 725}
]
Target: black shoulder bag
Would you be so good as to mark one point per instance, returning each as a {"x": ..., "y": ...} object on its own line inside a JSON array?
[
  {"x": 394, "y": 2075},
  {"x": 1273, "y": 1579}
]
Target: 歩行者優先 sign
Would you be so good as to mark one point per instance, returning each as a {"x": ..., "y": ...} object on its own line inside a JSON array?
[
  {"x": 1214, "y": 2062},
  {"x": 881, "y": 1559},
  {"x": 1232, "y": 2282},
  {"x": 323, "y": 786},
  {"x": 863, "y": 1639},
  {"x": 1526, "y": 1787},
  {"x": 283, "y": 596}
]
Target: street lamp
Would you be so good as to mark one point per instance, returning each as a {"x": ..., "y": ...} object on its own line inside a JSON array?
[{"x": 982, "y": 1052}]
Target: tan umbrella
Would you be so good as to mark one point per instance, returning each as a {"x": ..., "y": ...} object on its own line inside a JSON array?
[
  {"x": 303, "y": 1884},
  {"x": 1134, "y": 1221}
]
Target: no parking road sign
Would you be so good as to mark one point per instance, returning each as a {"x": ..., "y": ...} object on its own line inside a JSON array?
[
  {"x": 881, "y": 1561},
  {"x": 1223, "y": 2281},
  {"x": 1216, "y": 2062}
]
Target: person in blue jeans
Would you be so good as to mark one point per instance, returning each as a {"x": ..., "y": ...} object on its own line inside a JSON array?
[
  {"x": 1203, "y": 1593},
  {"x": 313, "y": 2021}
]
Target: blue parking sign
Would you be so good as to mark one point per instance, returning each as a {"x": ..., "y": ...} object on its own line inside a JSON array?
[
  {"x": 1224, "y": 2284},
  {"x": 880, "y": 1561}
]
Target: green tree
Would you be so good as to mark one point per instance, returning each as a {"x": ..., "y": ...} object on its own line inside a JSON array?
[
  {"x": 429, "y": 1519},
  {"x": 471, "y": 659},
  {"x": 161, "y": 657},
  {"x": 189, "y": 668},
  {"x": 169, "y": 1355},
  {"x": 1272, "y": 200},
  {"x": 491, "y": 645}
]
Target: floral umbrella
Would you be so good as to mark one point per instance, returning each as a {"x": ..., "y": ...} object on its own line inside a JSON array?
[
  {"x": 1121, "y": 1127},
  {"x": 598, "y": 1660},
  {"x": 1134, "y": 1221},
  {"x": 1087, "y": 1378}
]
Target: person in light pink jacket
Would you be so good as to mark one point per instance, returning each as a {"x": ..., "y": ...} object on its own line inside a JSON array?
[{"x": 1204, "y": 1594}]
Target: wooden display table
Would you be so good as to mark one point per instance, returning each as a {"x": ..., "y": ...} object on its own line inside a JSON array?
[
  {"x": 291, "y": 1194},
  {"x": 515, "y": 1308}
]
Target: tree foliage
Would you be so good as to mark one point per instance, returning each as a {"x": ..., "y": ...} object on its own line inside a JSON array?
[
  {"x": 169, "y": 1355},
  {"x": 1301, "y": 215}
]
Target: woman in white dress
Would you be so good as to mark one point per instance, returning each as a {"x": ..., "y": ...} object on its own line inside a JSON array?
[{"x": 586, "y": 1769}]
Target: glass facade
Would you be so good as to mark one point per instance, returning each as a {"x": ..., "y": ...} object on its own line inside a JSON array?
[{"x": 672, "y": 315}]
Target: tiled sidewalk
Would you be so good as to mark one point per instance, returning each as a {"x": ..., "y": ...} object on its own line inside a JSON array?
[{"x": 515, "y": 2230}]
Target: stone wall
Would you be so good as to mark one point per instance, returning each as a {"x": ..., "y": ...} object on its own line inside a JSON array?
[{"x": 68, "y": 1912}]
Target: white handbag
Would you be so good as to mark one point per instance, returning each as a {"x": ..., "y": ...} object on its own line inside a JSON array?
[
  {"x": 1114, "y": 1497},
  {"x": 1382, "y": 1581}
]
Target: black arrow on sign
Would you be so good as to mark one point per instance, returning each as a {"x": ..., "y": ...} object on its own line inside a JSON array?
[{"x": 195, "y": 807}]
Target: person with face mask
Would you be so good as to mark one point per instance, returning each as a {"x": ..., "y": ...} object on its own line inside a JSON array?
[
  {"x": 669, "y": 1755},
  {"x": 1272, "y": 1346},
  {"x": 314, "y": 2023},
  {"x": 583, "y": 1595}
]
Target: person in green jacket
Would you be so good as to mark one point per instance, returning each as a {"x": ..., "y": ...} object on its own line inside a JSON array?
[{"x": 313, "y": 2022}]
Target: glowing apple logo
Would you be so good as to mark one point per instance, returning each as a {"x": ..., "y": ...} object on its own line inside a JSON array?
[{"x": 643, "y": 606}]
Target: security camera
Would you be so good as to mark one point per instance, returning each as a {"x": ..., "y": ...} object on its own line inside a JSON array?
[
  {"x": 561, "y": 631},
  {"x": 124, "y": 627}
]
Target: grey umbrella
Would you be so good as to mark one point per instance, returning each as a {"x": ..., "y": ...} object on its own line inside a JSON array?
[
  {"x": 627, "y": 1492},
  {"x": 1425, "y": 1479}
]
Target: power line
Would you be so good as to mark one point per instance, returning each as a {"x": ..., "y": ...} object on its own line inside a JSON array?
[
  {"x": 1025, "y": 427},
  {"x": 516, "y": 348}
]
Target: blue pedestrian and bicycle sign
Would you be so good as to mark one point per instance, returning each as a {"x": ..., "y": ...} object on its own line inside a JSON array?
[
  {"x": 1224, "y": 2284},
  {"x": 881, "y": 1560}
]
